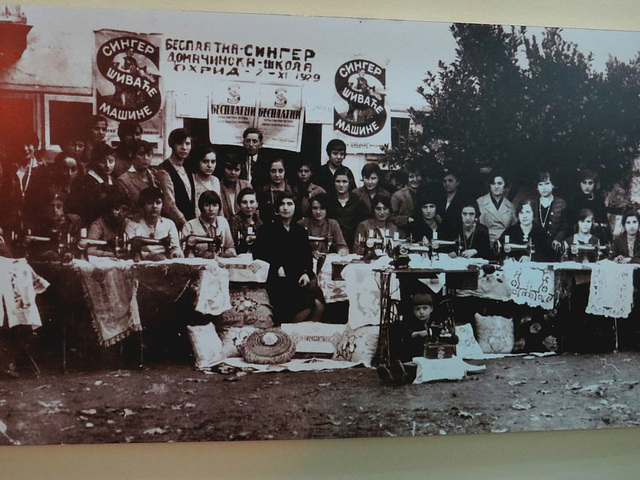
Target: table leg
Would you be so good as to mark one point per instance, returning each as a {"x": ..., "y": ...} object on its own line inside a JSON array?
[{"x": 64, "y": 347}]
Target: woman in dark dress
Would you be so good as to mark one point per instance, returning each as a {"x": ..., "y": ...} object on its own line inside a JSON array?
[
  {"x": 626, "y": 246},
  {"x": 525, "y": 230},
  {"x": 474, "y": 237},
  {"x": 284, "y": 244}
]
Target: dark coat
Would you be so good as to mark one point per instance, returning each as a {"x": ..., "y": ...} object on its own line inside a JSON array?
[
  {"x": 479, "y": 241},
  {"x": 349, "y": 216},
  {"x": 620, "y": 247},
  {"x": 556, "y": 221},
  {"x": 539, "y": 237}
]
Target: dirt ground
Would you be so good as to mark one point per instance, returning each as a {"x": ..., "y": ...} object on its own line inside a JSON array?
[{"x": 169, "y": 402}]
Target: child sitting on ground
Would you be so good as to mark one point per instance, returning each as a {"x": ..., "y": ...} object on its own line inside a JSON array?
[
  {"x": 425, "y": 328},
  {"x": 421, "y": 328}
]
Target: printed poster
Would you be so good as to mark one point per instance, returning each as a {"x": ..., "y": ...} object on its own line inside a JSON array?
[
  {"x": 280, "y": 116},
  {"x": 360, "y": 115},
  {"x": 232, "y": 108},
  {"x": 126, "y": 80},
  {"x": 275, "y": 109}
]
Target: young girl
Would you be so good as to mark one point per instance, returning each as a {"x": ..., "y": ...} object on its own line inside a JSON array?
[
  {"x": 426, "y": 222},
  {"x": 54, "y": 223},
  {"x": 202, "y": 166},
  {"x": 584, "y": 235},
  {"x": 371, "y": 189},
  {"x": 474, "y": 236},
  {"x": 626, "y": 247},
  {"x": 318, "y": 225},
  {"x": 210, "y": 224},
  {"x": 152, "y": 225},
  {"x": 380, "y": 226},
  {"x": 526, "y": 230},
  {"x": 90, "y": 194},
  {"x": 246, "y": 223}
]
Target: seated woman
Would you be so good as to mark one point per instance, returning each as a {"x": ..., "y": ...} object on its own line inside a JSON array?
[
  {"x": 90, "y": 194},
  {"x": 54, "y": 223},
  {"x": 318, "y": 225},
  {"x": 525, "y": 230},
  {"x": 154, "y": 227},
  {"x": 245, "y": 224},
  {"x": 380, "y": 227},
  {"x": 626, "y": 247},
  {"x": 473, "y": 236},
  {"x": 211, "y": 225},
  {"x": 583, "y": 237},
  {"x": 58, "y": 178},
  {"x": 293, "y": 292},
  {"x": 109, "y": 226},
  {"x": 426, "y": 222}
]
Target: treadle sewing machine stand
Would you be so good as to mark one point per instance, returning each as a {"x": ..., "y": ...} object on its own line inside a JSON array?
[{"x": 389, "y": 312}]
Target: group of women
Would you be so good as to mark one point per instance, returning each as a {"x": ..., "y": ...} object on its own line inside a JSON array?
[{"x": 289, "y": 219}]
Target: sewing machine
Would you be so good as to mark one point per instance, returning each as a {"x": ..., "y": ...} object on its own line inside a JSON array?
[
  {"x": 587, "y": 253},
  {"x": 118, "y": 245},
  {"x": 214, "y": 244},
  {"x": 136, "y": 244},
  {"x": 375, "y": 246},
  {"x": 401, "y": 250},
  {"x": 248, "y": 239},
  {"x": 512, "y": 250},
  {"x": 59, "y": 244},
  {"x": 442, "y": 246}
]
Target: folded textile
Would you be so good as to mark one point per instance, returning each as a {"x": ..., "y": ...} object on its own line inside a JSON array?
[
  {"x": 611, "y": 290},
  {"x": 430, "y": 370},
  {"x": 19, "y": 285},
  {"x": 363, "y": 291},
  {"x": 296, "y": 365},
  {"x": 213, "y": 295},
  {"x": 244, "y": 268},
  {"x": 110, "y": 293}
]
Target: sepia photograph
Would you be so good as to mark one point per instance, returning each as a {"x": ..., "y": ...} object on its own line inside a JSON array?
[{"x": 244, "y": 227}]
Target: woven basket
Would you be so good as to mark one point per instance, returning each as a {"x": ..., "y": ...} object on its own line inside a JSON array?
[{"x": 268, "y": 347}]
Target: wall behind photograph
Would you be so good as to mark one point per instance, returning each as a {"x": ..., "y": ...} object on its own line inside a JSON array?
[{"x": 591, "y": 454}]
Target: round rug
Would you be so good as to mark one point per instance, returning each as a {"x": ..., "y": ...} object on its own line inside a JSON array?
[{"x": 269, "y": 347}]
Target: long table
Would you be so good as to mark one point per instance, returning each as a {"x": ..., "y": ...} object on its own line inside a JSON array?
[{"x": 122, "y": 297}]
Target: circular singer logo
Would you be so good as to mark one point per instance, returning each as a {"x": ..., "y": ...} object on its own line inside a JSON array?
[
  {"x": 130, "y": 64},
  {"x": 361, "y": 84}
]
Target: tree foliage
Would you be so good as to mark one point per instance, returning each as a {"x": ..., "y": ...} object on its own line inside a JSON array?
[{"x": 511, "y": 103}]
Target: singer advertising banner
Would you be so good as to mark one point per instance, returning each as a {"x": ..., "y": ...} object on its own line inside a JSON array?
[{"x": 126, "y": 78}]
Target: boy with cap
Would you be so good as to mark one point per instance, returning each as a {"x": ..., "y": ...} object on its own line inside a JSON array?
[{"x": 419, "y": 329}]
